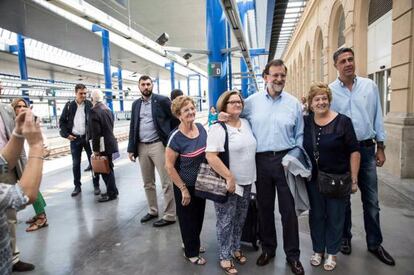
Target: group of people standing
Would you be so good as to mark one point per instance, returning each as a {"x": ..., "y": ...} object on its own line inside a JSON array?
[
  {"x": 246, "y": 147},
  {"x": 259, "y": 131}
]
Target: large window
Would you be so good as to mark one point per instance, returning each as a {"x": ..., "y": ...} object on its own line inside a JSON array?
[
  {"x": 383, "y": 80},
  {"x": 341, "y": 29}
]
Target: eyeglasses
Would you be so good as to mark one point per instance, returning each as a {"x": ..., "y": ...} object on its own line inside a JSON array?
[{"x": 234, "y": 102}]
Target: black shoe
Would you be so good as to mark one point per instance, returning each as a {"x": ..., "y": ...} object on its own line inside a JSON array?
[
  {"x": 296, "y": 267},
  {"x": 89, "y": 168},
  {"x": 96, "y": 191},
  {"x": 107, "y": 198},
  {"x": 264, "y": 259},
  {"x": 382, "y": 255},
  {"x": 76, "y": 191},
  {"x": 162, "y": 222},
  {"x": 346, "y": 247},
  {"x": 148, "y": 217},
  {"x": 22, "y": 267}
]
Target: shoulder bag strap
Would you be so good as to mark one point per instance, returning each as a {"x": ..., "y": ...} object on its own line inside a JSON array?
[
  {"x": 224, "y": 156},
  {"x": 315, "y": 147}
]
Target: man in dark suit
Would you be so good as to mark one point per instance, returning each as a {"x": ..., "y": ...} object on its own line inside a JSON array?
[
  {"x": 151, "y": 121},
  {"x": 73, "y": 126},
  {"x": 101, "y": 125}
]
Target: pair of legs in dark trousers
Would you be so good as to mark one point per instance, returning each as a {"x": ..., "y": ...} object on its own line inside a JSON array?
[
  {"x": 368, "y": 186},
  {"x": 109, "y": 179},
  {"x": 326, "y": 220},
  {"x": 190, "y": 218},
  {"x": 76, "y": 147},
  {"x": 271, "y": 177}
]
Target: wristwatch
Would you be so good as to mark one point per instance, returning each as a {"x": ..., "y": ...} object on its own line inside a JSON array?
[{"x": 381, "y": 145}]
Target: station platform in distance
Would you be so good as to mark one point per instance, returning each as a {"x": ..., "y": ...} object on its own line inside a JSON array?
[{"x": 87, "y": 237}]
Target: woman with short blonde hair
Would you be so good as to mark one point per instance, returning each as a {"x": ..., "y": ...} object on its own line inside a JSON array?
[{"x": 333, "y": 135}]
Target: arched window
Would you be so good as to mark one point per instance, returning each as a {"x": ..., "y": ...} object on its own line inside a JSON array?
[
  {"x": 307, "y": 68},
  {"x": 319, "y": 56},
  {"x": 341, "y": 28},
  {"x": 300, "y": 77}
]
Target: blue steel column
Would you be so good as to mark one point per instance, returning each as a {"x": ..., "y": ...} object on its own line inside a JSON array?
[
  {"x": 54, "y": 99},
  {"x": 230, "y": 74},
  {"x": 172, "y": 76},
  {"x": 107, "y": 68},
  {"x": 216, "y": 41},
  {"x": 158, "y": 85},
  {"x": 106, "y": 56},
  {"x": 243, "y": 65},
  {"x": 188, "y": 85},
  {"x": 199, "y": 93},
  {"x": 22, "y": 64},
  {"x": 120, "y": 88}
]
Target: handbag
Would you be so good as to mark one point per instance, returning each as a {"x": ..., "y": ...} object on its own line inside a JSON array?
[
  {"x": 100, "y": 164},
  {"x": 330, "y": 185},
  {"x": 209, "y": 184}
]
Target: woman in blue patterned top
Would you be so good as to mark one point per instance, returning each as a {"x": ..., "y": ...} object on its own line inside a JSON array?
[
  {"x": 17, "y": 196},
  {"x": 183, "y": 156}
]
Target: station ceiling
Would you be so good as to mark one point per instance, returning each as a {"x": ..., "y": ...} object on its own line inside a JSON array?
[{"x": 183, "y": 20}]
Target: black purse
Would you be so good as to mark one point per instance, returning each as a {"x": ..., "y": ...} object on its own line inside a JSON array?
[{"x": 330, "y": 185}]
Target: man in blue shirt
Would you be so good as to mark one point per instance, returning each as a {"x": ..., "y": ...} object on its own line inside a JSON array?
[
  {"x": 358, "y": 98},
  {"x": 277, "y": 123}
]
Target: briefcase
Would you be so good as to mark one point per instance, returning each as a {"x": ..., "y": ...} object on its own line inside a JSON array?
[{"x": 100, "y": 164}]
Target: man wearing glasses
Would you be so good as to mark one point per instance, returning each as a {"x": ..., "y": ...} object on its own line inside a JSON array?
[
  {"x": 277, "y": 123},
  {"x": 72, "y": 124}
]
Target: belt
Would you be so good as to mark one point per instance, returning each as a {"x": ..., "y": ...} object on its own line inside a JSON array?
[
  {"x": 151, "y": 142},
  {"x": 272, "y": 153},
  {"x": 79, "y": 136},
  {"x": 367, "y": 143}
]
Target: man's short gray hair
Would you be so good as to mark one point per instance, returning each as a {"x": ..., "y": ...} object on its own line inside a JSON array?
[{"x": 97, "y": 95}]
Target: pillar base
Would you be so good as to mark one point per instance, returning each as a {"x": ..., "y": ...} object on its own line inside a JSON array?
[{"x": 400, "y": 144}]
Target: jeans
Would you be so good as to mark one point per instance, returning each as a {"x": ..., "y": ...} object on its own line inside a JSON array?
[
  {"x": 326, "y": 220},
  {"x": 76, "y": 147},
  {"x": 368, "y": 186}
]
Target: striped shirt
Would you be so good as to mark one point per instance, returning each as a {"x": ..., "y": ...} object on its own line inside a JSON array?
[{"x": 191, "y": 153}]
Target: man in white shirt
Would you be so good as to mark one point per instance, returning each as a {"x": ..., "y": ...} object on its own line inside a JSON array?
[{"x": 72, "y": 124}]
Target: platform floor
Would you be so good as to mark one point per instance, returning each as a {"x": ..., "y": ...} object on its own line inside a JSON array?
[{"x": 86, "y": 237}]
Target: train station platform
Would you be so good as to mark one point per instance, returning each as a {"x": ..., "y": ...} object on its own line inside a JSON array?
[{"x": 87, "y": 237}]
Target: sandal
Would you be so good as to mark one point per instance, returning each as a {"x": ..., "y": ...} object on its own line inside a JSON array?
[
  {"x": 316, "y": 259},
  {"x": 197, "y": 260},
  {"x": 31, "y": 220},
  {"x": 330, "y": 263},
  {"x": 239, "y": 257},
  {"x": 229, "y": 270},
  {"x": 39, "y": 223}
]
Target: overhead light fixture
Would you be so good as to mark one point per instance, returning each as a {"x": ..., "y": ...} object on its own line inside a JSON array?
[
  {"x": 187, "y": 56},
  {"x": 163, "y": 39}
]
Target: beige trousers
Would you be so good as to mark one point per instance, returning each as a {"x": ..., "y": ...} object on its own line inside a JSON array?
[{"x": 152, "y": 156}]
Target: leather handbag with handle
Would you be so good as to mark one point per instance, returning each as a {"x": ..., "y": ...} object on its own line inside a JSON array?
[
  {"x": 100, "y": 164},
  {"x": 209, "y": 184}
]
